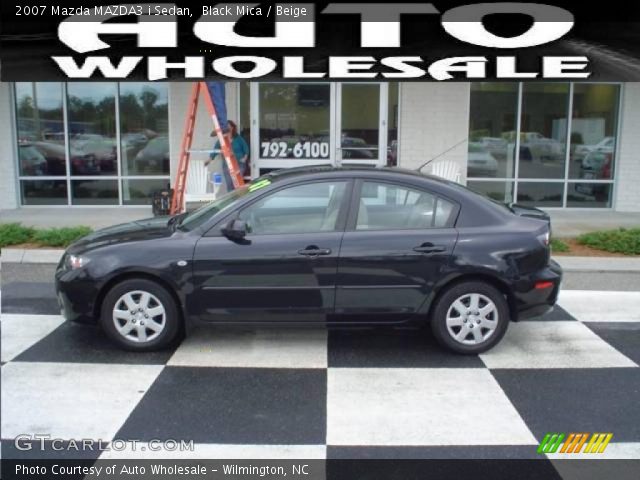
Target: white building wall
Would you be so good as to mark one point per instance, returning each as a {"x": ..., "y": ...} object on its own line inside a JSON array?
[
  {"x": 8, "y": 194},
  {"x": 628, "y": 166},
  {"x": 433, "y": 118},
  {"x": 179, "y": 94}
]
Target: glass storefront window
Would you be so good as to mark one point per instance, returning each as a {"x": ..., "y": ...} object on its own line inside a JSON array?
[
  {"x": 92, "y": 128},
  {"x": 94, "y": 192},
  {"x": 360, "y": 135},
  {"x": 493, "y": 111},
  {"x": 138, "y": 192},
  {"x": 544, "y": 124},
  {"x": 590, "y": 195},
  {"x": 43, "y": 192},
  {"x": 81, "y": 143},
  {"x": 294, "y": 120},
  {"x": 500, "y": 191},
  {"x": 593, "y": 131},
  {"x": 40, "y": 128},
  {"x": 392, "y": 124},
  {"x": 144, "y": 129},
  {"x": 543, "y": 134},
  {"x": 538, "y": 194}
]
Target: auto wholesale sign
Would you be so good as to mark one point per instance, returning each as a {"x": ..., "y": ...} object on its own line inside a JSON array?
[{"x": 439, "y": 41}]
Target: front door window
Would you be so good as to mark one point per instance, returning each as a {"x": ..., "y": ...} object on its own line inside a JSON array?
[{"x": 308, "y": 208}]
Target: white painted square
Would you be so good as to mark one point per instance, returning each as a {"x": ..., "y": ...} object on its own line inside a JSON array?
[
  {"x": 601, "y": 306},
  {"x": 436, "y": 406},
  {"x": 257, "y": 348},
  {"x": 71, "y": 400},
  {"x": 553, "y": 345},
  {"x": 19, "y": 332},
  {"x": 203, "y": 451}
]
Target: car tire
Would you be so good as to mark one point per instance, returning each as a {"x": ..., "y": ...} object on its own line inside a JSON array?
[
  {"x": 140, "y": 315},
  {"x": 477, "y": 329}
]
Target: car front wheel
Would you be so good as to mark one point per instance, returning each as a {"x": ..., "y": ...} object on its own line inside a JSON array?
[
  {"x": 470, "y": 317},
  {"x": 140, "y": 315}
]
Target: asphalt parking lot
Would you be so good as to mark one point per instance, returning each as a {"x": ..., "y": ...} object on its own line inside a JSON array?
[{"x": 309, "y": 393}]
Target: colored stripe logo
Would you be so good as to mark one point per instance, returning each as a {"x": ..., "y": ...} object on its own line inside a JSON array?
[{"x": 575, "y": 442}]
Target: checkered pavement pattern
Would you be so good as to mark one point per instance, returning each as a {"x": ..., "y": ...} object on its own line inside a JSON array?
[{"x": 312, "y": 393}]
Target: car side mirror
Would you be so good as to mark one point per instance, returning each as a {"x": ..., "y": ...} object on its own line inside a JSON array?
[{"x": 235, "y": 230}]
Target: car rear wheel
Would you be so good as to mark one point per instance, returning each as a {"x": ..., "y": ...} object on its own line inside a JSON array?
[
  {"x": 470, "y": 317},
  {"x": 140, "y": 315}
]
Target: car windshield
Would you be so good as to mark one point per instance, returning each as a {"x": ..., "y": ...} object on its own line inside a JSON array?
[{"x": 196, "y": 218}]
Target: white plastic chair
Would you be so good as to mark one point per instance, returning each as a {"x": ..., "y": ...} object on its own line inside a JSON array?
[
  {"x": 447, "y": 170},
  {"x": 197, "y": 181}
]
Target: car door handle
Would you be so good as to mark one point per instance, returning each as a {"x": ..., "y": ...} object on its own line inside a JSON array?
[
  {"x": 430, "y": 248},
  {"x": 314, "y": 251}
]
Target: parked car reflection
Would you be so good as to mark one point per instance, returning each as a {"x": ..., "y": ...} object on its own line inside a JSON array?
[
  {"x": 154, "y": 157},
  {"x": 481, "y": 163}
]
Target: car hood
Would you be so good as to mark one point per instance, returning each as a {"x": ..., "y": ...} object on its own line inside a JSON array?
[{"x": 147, "y": 229}]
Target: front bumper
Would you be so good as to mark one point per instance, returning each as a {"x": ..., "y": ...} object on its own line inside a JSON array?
[
  {"x": 76, "y": 294},
  {"x": 531, "y": 301}
]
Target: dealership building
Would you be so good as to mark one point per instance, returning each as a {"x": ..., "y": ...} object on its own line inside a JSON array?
[{"x": 548, "y": 144}]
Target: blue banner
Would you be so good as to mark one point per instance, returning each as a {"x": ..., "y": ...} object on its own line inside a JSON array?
[{"x": 217, "y": 92}]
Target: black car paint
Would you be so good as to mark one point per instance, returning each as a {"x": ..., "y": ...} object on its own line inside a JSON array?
[{"x": 379, "y": 277}]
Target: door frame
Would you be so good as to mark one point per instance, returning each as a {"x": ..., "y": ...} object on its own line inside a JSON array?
[{"x": 335, "y": 114}]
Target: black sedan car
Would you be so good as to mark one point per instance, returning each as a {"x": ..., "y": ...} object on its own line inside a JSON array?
[{"x": 336, "y": 246}]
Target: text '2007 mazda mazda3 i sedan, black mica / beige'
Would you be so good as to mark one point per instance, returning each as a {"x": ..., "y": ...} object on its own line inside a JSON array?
[{"x": 349, "y": 246}]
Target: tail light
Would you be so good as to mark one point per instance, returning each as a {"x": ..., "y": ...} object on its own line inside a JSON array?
[{"x": 545, "y": 238}]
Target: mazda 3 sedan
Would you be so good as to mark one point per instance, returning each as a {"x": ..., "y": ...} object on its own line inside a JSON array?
[{"x": 347, "y": 246}]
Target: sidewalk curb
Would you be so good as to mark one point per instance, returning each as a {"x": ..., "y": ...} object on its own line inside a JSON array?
[
  {"x": 599, "y": 264},
  {"x": 16, "y": 255},
  {"x": 568, "y": 264}
]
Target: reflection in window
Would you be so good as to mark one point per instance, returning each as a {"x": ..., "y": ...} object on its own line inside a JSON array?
[
  {"x": 543, "y": 135},
  {"x": 590, "y": 195},
  {"x": 139, "y": 192},
  {"x": 360, "y": 135},
  {"x": 543, "y": 140},
  {"x": 384, "y": 206},
  {"x": 593, "y": 131},
  {"x": 92, "y": 128},
  {"x": 40, "y": 129},
  {"x": 308, "y": 208},
  {"x": 392, "y": 124},
  {"x": 43, "y": 192},
  {"x": 499, "y": 191},
  {"x": 94, "y": 192},
  {"x": 144, "y": 129},
  {"x": 294, "y": 120},
  {"x": 534, "y": 194},
  {"x": 493, "y": 113}
]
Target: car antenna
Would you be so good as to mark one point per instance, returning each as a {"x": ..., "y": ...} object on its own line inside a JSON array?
[{"x": 441, "y": 154}]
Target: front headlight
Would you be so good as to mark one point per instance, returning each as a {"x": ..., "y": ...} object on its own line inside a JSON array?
[{"x": 74, "y": 262}]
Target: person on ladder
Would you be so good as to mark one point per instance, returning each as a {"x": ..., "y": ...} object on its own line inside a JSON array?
[{"x": 240, "y": 151}]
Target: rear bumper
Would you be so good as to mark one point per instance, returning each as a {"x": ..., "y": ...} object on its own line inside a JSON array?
[{"x": 538, "y": 293}]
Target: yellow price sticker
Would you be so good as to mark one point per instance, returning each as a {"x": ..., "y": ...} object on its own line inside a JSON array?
[{"x": 265, "y": 182}]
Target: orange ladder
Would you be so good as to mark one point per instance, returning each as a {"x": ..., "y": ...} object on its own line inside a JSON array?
[{"x": 180, "y": 183}]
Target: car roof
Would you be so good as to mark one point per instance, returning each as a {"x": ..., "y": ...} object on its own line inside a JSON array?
[{"x": 348, "y": 169}]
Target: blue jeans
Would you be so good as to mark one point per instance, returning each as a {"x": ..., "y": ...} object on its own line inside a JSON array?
[{"x": 227, "y": 175}]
